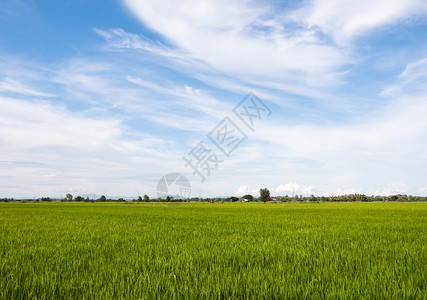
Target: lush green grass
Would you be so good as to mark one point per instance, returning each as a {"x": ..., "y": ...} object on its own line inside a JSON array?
[{"x": 240, "y": 250}]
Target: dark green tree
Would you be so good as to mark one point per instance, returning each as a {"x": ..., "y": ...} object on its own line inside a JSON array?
[
  {"x": 361, "y": 197},
  {"x": 264, "y": 195},
  {"x": 102, "y": 199},
  {"x": 146, "y": 198},
  {"x": 139, "y": 199},
  {"x": 233, "y": 199},
  {"x": 69, "y": 197},
  {"x": 248, "y": 197}
]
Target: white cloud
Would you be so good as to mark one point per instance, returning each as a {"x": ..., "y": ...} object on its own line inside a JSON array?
[
  {"x": 308, "y": 190},
  {"x": 423, "y": 191},
  {"x": 410, "y": 81},
  {"x": 294, "y": 189},
  {"x": 10, "y": 85},
  {"x": 225, "y": 35},
  {"x": 47, "y": 149},
  {"x": 415, "y": 70},
  {"x": 96, "y": 83},
  {"x": 26, "y": 125},
  {"x": 241, "y": 191},
  {"x": 341, "y": 192},
  {"x": 244, "y": 190},
  {"x": 288, "y": 187},
  {"x": 346, "y": 19},
  {"x": 393, "y": 188},
  {"x": 118, "y": 38},
  {"x": 401, "y": 127}
]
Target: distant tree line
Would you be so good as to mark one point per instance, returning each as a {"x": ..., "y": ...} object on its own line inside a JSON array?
[
  {"x": 264, "y": 197},
  {"x": 352, "y": 198}
]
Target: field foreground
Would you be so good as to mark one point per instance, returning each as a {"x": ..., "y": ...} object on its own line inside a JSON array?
[{"x": 200, "y": 250}]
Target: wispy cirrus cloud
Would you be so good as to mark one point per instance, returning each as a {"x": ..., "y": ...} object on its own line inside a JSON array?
[
  {"x": 357, "y": 145},
  {"x": 14, "y": 86},
  {"x": 48, "y": 149},
  {"x": 28, "y": 125},
  {"x": 345, "y": 20},
  {"x": 250, "y": 42},
  {"x": 410, "y": 81}
]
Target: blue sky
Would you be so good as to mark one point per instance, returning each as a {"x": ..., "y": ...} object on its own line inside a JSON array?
[{"x": 107, "y": 97}]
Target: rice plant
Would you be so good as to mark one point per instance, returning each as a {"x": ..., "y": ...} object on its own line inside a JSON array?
[{"x": 201, "y": 251}]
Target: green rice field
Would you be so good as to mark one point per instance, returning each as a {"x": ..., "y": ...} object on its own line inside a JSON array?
[{"x": 213, "y": 251}]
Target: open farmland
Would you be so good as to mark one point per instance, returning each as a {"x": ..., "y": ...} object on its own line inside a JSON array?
[{"x": 200, "y": 250}]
